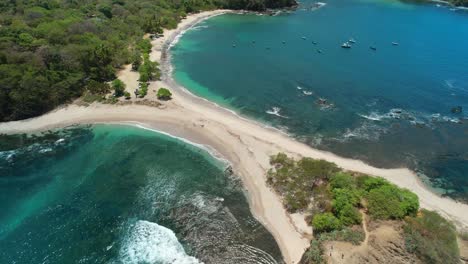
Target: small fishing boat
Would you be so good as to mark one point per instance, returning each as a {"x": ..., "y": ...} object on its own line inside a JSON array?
[
  {"x": 284, "y": 42},
  {"x": 313, "y": 42},
  {"x": 319, "y": 51},
  {"x": 304, "y": 38},
  {"x": 351, "y": 40},
  {"x": 346, "y": 45},
  {"x": 373, "y": 48},
  {"x": 233, "y": 45},
  {"x": 395, "y": 43}
]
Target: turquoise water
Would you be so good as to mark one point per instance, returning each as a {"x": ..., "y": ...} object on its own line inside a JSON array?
[
  {"x": 121, "y": 194},
  {"x": 390, "y": 107}
]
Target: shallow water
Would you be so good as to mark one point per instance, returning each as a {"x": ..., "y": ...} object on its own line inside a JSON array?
[
  {"x": 390, "y": 106},
  {"x": 121, "y": 194}
]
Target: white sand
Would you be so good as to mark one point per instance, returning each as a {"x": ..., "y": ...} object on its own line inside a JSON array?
[{"x": 246, "y": 144}]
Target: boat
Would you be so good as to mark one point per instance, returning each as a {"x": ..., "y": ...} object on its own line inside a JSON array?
[
  {"x": 351, "y": 40},
  {"x": 395, "y": 43},
  {"x": 346, "y": 45},
  {"x": 373, "y": 48},
  {"x": 304, "y": 38},
  {"x": 313, "y": 42},
  {"x": 319, "y": 51}
]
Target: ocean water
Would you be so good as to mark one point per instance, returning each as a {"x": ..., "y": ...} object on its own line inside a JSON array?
[
  {"x": 390, "y": 107},
  {"x": 121, "y": 194}
]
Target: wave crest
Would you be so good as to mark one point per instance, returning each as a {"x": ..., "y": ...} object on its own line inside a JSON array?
[{"x": 149, "y": 242}]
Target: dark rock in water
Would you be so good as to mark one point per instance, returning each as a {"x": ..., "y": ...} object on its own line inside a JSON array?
[
  {"x": 229, "y": 171},
  {"x": 322, "y": 101},
  {"x": 456, "y": 110}
]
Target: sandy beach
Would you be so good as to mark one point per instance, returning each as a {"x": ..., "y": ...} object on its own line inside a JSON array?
[{"x": 246, "y": 144}]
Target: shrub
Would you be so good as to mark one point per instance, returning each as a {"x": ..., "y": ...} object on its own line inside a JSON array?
[
  {"x": 95, "y": 87},
  {"x": 164, "y": 94},
  {"x": 368, "y": 183},
  {"x": 325, "y": 222},
  {"x": 342, "y": 180},
  {"x": 432, "y": 238},
  {"x": 143, "y": 90},
  {"x": 316, "y": 169},
  {"x": 119, "y": 87},
  {"x": 349, "y": 215},
  {"x": 144, "y": 45},
  {"x": 390, "y": 202},
  {"x": 127, "y": 95},
  {"x": 314, "y": 253}
]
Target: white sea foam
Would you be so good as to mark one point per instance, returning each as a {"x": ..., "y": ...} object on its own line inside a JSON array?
[
  {"x": 275, "y": 111},
  {"x": 374, "y": 116},
  {"x": 199, "y": 27},
  {"x": 207, "y": 148},
  {"x": 299, "y": 88},
  {"x": 45, "y": 150},
  {"x": 307, "y": 93},
  {"x": 149, "y": 242},
  {"x": 449, "y": 83}
]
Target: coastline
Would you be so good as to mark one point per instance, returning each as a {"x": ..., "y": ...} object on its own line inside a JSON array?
[{"x": 246, "y": 144}]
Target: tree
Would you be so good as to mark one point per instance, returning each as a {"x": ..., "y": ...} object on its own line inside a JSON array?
[
  {"x": 391, "y": 202},
  {"x": 136, "y": 60},
  {"x": 325, "y": 222},
  {"x": 95, "y": 87},
  {"x": 349, "y": 215},
  {"x": 164, "y": 94},
  {"x": 119, "y": 87}
]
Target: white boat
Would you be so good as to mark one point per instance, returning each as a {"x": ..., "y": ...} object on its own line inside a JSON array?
[
  {"x": 395, "y": 43},
  {"x": 351, "y": 40},
  {"x": 346, "y": 45}
]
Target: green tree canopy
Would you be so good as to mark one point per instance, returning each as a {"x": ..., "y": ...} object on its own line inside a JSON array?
[{"x": 164, "y": 94}]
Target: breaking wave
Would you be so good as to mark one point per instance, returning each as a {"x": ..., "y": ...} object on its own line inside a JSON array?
[{"x": 149, "y": 242}]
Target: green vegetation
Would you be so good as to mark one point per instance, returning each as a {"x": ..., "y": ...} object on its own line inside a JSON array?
[
  {"x": 333, "y": 196},
  {"x": 315, "y": 252},
  {"x": 127, "y": 95},
  {"x": 143, "y": 90},
  {"x": 51, "y": 50},
  {"x": 149, "y": 70},
  {"x": 432, "y": 238},
  {"x": 119, "y": 87},
  {"x": 326, "y": 222},
  {"x": 164, "y": 94},
  {"x": 334, "y": 199}
]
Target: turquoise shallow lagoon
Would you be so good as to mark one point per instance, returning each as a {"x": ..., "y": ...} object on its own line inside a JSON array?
[
  {"x": 390, "y": 107},
  {"x": 121, "y": 194}
]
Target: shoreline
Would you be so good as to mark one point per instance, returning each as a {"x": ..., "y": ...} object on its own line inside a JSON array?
[{"x": 245, "y": 143}]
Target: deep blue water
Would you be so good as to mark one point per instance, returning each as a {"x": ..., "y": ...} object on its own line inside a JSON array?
[
  {"x": 120, "y": 194},
  {"x": 390, "y": 107}
]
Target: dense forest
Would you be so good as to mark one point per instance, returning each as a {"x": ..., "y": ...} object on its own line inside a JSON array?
[{"x": 51, "y": 51}]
